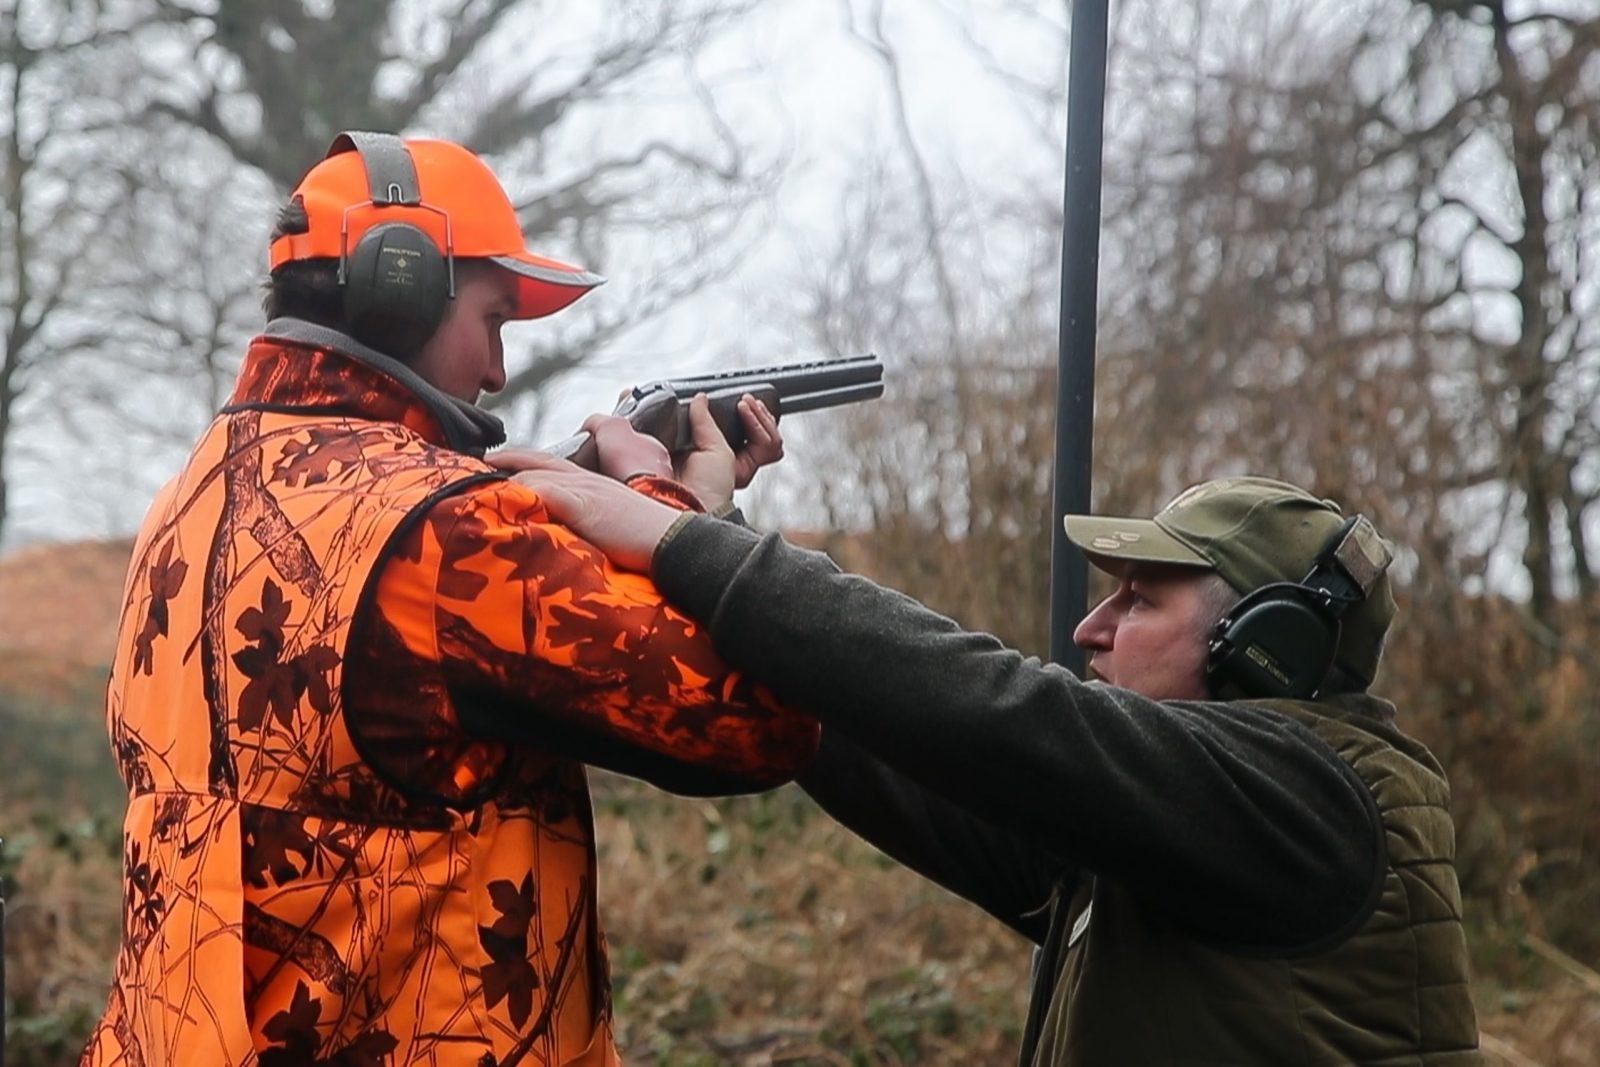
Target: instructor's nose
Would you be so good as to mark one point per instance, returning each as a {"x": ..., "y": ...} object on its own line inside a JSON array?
[{"x": 1098, "y": 631}]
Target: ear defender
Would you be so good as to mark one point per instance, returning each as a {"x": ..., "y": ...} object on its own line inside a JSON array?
[
  {"x": 396, "y": 289},
  {"x": 1280, "y": 641},
  {"x": 396, "y": 281}
]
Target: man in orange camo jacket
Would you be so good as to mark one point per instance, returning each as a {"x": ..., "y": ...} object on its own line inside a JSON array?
[{"x": 359, "y": 671}]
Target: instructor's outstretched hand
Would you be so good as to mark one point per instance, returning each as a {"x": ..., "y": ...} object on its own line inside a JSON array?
[{"x": 623, "y": 524}]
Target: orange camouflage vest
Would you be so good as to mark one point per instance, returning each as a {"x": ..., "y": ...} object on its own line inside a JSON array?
[{"x": 285, "y": 901}]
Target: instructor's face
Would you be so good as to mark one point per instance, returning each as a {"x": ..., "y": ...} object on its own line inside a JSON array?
[
  {"x": 1150, "y": 635},
  {"x": 464, "y": 357}
]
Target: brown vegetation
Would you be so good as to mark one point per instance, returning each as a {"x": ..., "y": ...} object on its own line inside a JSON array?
[
  {"x": 754, "y": 931},
  {"x": 68, "y": 597}
]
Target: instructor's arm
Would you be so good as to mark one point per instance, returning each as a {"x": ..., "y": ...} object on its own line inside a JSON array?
[{"x": 1235, "y": 823}]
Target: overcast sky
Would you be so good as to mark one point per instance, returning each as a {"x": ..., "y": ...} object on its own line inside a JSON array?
[{"x": 837, "y": 100}]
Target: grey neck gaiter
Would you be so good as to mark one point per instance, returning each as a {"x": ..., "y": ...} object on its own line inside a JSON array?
[{"x": 467, "y": 427}]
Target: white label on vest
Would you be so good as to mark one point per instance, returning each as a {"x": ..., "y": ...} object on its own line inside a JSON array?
[{"x": 1080, "y": 924}]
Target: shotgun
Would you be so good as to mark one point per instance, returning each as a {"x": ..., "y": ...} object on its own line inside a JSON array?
[{"x": 661, "y": 409}]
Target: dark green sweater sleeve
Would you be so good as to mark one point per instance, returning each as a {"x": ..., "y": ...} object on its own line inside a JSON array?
[
  {"x": 1238, "y": 824},
  {"x": 1002, "y": 872}
]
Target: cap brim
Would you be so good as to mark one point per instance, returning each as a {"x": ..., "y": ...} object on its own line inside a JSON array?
[
  {"x": 1109, "y": 540},
  {"x": 546, "y": 286}
]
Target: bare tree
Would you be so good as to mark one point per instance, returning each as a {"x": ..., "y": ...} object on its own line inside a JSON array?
[
  {"x": 272, "y": 83},
  {"x": 941, "y": 488},
  {"x": 625, "y": 146},
  {"x": 58, "y": 197},
  {"x": 1380, "y": 218},
  {"x": 1350, "y": 246},
  {"x": 1546, "y": 99},
  {"x": 1430, "y": 217}
]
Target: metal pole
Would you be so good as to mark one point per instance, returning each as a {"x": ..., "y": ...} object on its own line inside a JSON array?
[{"x": 1080, "y": 263}]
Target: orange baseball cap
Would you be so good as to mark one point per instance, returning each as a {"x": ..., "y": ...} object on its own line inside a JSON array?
[{"x": 457, "y": 201}]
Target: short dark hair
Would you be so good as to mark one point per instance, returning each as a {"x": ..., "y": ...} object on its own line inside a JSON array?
[
  {"x": 304, "y": 289},
  {"x": 307, "y": 289}
]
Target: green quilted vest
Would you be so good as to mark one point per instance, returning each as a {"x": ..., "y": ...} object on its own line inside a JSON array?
[{"x": 1131, "y": 990}]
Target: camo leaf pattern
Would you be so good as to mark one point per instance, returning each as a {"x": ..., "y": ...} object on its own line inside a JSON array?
[
  {"x": 311, "y": 601},
  {"x": 165, "y": 582}
]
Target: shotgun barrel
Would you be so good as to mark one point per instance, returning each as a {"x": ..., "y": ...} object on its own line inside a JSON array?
[{"x": 661, "y": 409}]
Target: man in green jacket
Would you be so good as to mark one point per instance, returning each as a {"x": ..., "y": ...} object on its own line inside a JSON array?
[{"x": 1210, "y": 879}]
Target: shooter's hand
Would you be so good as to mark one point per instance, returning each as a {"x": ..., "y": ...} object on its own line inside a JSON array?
[
  {"x": 713, "y": 470},
  {"x": 625, "y": 452},
  {"x": 623, "y": 524},
  {"x": 621, "y": 452},
  {"x": 764, "y": 442}
]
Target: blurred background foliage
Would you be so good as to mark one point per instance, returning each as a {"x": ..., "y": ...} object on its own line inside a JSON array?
[{"x": 1349, "y": 244}]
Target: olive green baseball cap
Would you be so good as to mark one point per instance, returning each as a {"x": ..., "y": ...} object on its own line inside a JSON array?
[{"x": 1253, "y": 532}]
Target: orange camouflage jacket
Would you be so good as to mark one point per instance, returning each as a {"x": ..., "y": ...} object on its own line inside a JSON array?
[{"x": 354, "y": 675}]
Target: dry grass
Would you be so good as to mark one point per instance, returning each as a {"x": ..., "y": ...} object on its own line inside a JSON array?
[
  {"x": 63, "y": 911},
  {"x": 1561, "y": 1029},
  {"x": 754, "y": 931},
  {"x": 748, "y": 931}
]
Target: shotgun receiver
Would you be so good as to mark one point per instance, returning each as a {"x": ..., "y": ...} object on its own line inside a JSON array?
[{"x": 661, "y": 409}]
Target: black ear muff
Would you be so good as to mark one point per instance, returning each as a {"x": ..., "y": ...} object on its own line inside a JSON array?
[
  {"x": 396, "y": 288},
  {"x": 1278, "y": 642},
  {"x": 1281, "y": 640},
  {"x": 396, "y": 281}
]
